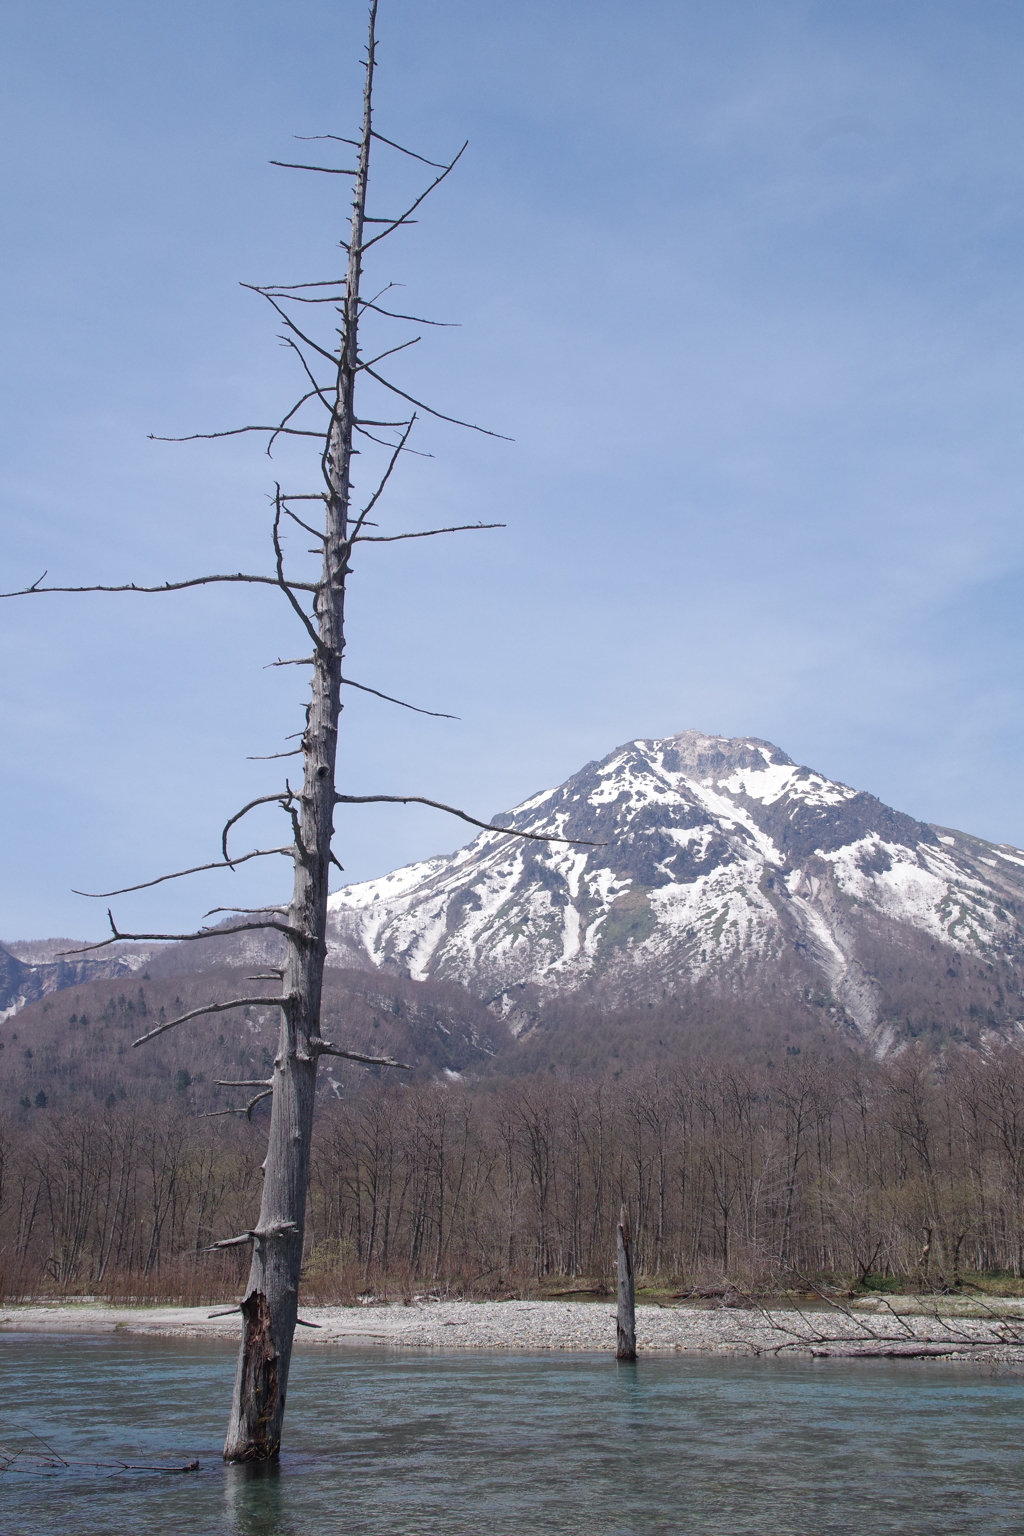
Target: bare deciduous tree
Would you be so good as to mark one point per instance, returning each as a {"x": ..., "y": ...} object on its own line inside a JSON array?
[{"x": 332, "y": 373}]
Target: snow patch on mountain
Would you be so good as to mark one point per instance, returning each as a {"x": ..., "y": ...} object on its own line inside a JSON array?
[{"x": 690, "y": 856}]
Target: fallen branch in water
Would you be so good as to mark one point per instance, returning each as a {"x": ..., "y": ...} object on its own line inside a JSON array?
[{"x": 50, "y": 1461}]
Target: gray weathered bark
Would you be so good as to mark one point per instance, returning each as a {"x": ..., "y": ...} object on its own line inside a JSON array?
[
  {"x": 625, "y": 1321},
  {"x": 270, "y": 1307}
]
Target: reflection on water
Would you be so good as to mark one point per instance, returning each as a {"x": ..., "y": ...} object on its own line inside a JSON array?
[
  {"x": 402, "y": 1444},
  {"x": 254, "y": 1503}
]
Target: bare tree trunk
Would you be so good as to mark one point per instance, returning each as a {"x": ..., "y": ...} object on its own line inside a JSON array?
[
  {"x": 625, "y": 1322},
  {"x": 270, "y": 1307}
]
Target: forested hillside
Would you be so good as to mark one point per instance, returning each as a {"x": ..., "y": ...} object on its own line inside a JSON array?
[
  {"x": 73, "y": 1049},
  {"x": 821, "y": 1164}
]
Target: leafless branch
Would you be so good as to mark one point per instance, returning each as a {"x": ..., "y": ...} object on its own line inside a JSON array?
[
  {"x": 426, "y": 533},
  {"x": 487, "y": 826},
  {"x": 195, "y": 437},
  {"x": 246, "y": 1110},
  {"x": 887, "y": 1304},
  {"x": 435, "y": 713},
  {"x": 238, "y": 1002},
  {"x": 317, "y": 138},
  {"x": 293, "y": 600},
  {"x": 378, "y": 493},
  {"x": 1013, "y": 1320},
  {"x": 861, "y": 1338},
  {"x": 318, "y": 388},
  {"x": 324, "y": 1048},
  {"x": 309, "y": 395},
  {"x": 431, "y": 412},
  {"x": 404, "y": 218},
  {"x": 313, "y": 532},
  {"x": 283, "y": 797},
  {"x": 25, "y": 590},
  {"x": 367, "y": 421},
  {"x": 413, "y": 319},
  {"x": 295, "y": 934},
  {"x": 390, "y": 352},
  {"x": 416, "y": 452},
  {"x": 336, "y": 299},
  {"x": 179, "y": 874},
  {"x": 256, "y": 1235},
  {"x": 247, "y": 911},
  {"x": 290, "y": 323},
  {"x": 326, "y": 170},
  {"x": 167, "y": 586},
  {"x": 436, "y": 164},
  {"x": 326, "y": 282}
]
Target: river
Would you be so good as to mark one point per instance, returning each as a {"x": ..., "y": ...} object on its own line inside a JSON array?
[{"x": 382, "y": 1443}]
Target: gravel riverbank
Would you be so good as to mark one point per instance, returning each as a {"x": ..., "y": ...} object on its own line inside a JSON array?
[{"x": 908, "y": 1327}]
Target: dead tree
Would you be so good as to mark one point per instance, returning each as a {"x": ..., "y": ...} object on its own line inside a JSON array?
[
  {"x": 888, "y": 1334},
  {"x": 625, "y": 1318},
  {"x": 331, "y": 374}
]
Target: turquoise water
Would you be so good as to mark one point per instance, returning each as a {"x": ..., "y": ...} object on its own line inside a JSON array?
[{"x": 398, "y": 1444}]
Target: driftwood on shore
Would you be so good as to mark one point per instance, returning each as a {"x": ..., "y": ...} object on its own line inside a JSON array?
[{"x": 890, "y": 1334}]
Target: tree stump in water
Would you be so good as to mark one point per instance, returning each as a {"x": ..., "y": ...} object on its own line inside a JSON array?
[{"x": 625, "y": 1322}]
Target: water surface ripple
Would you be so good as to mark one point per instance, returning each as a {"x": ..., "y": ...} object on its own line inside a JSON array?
[{"x": 398, "y": 1444}]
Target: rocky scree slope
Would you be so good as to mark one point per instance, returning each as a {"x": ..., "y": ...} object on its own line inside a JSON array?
[
  {"x": 32, "y": 970},
  {"x": 722, "y": 862}
]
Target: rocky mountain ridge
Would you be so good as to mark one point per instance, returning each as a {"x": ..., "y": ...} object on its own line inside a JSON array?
[
  {"x": 704, "y": 878},
  {"x": 32, "y": 970},
  {"x": 718, "y": 860}
]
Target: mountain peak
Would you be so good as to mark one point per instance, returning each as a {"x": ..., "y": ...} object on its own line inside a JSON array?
[
  {"x": 689, "y": 857},
  {"x": 707, "y": 757}
]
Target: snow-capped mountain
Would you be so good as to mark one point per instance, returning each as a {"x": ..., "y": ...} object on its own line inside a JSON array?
[{"x": 716, "y": 859}]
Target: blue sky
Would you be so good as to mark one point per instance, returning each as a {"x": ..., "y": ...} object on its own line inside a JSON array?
[{"x": 742, "y": 281}]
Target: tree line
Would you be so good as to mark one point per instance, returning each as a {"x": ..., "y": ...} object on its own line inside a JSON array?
[{"x": 828, "y": 1165}]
